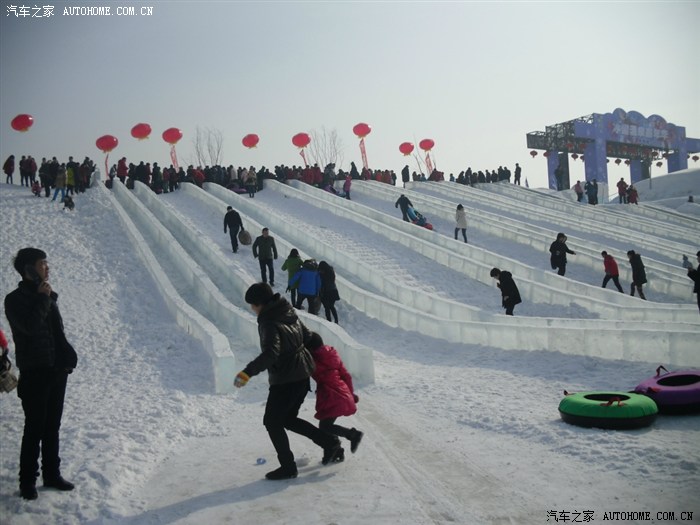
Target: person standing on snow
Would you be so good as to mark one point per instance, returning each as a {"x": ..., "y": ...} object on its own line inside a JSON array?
[
  {"x": 461, "y": 222},
  {"x": 233, "y": 222},
  {"x": 289, "y": 365},
  {"x": 335, "y": 396},
  {"x": 694, "y": 274},
  {"x": 329, "y": 291},
  {"x": 639, "y": 276},
  {"x": 404, "y": 203},
  {"x": 611, "y": 271},
  {"x": 510, "y": 295},
  {"x": 559, "y": 249},
  {"x": 292, "y": 265},
  {"x": 264, "y": 249},
  {"x": 44, "y": 358}
]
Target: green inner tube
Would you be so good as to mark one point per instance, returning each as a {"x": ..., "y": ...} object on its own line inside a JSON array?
[{"x": 615, "y": 410}]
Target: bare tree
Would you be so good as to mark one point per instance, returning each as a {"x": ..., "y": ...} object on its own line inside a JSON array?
[
  {"x": 208, "y": 145},
  {"x": 326, "y": 147}
]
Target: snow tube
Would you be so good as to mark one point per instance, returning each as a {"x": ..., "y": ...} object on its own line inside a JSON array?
[
  {"x": 244, "y": 237},
  {"x": 613, "y": 410},
  {"x": 674, "y": 392}
]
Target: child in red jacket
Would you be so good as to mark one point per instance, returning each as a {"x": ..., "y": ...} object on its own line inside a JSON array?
[{"x": 335, "y": 396}]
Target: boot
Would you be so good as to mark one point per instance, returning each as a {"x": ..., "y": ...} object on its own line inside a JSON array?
[
  {"x": 289, "y": 472},
  {"x": 355, "y": 439},
  {"x": 28, "y": 492},
  {"x": 332, "y": 453},
  {"x": 58, "y": 483}
]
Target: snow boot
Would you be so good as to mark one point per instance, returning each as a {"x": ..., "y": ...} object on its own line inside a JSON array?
[
  {"x": 332, "y": 453},
  {"x": 289, "y": 472},
  {"x": 355, "y": 439}
]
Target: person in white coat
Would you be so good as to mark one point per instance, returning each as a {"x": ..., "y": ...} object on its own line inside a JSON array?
[{"x": 461, "y": 222}]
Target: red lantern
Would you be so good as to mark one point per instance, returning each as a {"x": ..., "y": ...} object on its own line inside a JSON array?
[
  {"x": 574, "y": 156},
  {"x": 665, "y": 155},
  {"x": 659, "y": 164},
  {"x": 581, "y": 158},
  {"x": 172, "y": 135},
  {"x": 141, "y": 131},
  {"x": 361, "y": 130},
  {"x": 533, "y": 153},
  {"x": 546, "y": 154},
  {"x": 301, "y": 140},
  {"x": 106, "y": 143},
  {"x": 406, "y": 148},
  {"x": 426, "y": 144},
  {"x": 22, "y": 122},
  {"x": 617, "y": 161},
  {"x": 251, "y": 140},
  {"x": 695, "y": 158},
  {"x": 627, "y": 162}
]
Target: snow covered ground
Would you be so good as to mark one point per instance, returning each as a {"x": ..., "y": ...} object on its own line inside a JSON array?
[{"x": 454, "y": 433}]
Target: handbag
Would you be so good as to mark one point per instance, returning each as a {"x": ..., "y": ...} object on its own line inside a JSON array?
[{"x": 8, "y": 380}]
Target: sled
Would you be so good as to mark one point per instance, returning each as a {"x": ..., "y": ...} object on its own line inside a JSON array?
[{"x": 244, "y": 238}]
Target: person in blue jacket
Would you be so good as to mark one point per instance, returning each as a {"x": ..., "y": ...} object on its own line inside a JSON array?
[{"x": 308, "y": 283}]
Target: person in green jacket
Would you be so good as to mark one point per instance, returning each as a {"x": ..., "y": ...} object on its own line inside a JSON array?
[
  {"x": 264, "y": 250},
  {"x": 292, "y": 265}
]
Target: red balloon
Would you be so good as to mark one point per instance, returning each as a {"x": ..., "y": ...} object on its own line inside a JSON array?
[
  {"x": 574, "y": 156},
  {"x": 406, "y": 148},
  {"x": 106, "y": 143},
  {"x": 695, "y": 158},
  {"x": 546, "y": 154},
  {"x": 426, "y": 144},
  {"x": 361, "y": 130},
  {"x": 22, "y": 122},
  {"x": 659, "y": 164},
  {"x": 251, "y": 140},
  {"x": 172, "y": 135},
  {"x": 533, "y": 153},
  {"x": 617, "y": 161},
  {"x": 141, "y": 131},
  {"x": 301, "y": 140}
]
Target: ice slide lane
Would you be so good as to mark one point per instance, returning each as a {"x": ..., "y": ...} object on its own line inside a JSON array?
[
  {"x": 610, "y": 213},
  {"x": 209, "y": 250},
  {"x": 663, "y": 278},
  {"x": 446, "y": 319},
  {"x": 535, "y": 285}
]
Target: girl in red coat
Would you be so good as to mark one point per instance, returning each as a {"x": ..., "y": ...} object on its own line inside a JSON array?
[{"x": 335, "y": 396}]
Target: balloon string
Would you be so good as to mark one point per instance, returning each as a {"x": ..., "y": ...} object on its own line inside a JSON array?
[
  {"x": 301, "y": 152},
  {"x": 106, "y": 164},
  {"x": 428, "y": 164}
]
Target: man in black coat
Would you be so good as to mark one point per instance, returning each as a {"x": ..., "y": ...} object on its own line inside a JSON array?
[
  {"x": 694, "y": 274},
  {"x": 44, "y": 358},
  {"x": 405, "y": 176},
  {"x": 233, "y": 222},
  {"x": 404, "y": 202},
  {"x": 639, "y": 274},
  {"x": 289, "y": 366},
  {"x": 510, "y": 294},
  {"x": 559, "y": 249}
]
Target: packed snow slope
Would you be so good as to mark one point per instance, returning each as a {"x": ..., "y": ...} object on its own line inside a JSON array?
[{"x": 455, "y": 432}]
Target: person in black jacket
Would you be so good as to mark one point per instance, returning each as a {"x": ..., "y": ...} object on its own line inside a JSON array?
[
  {"x": 509, "y": 291},
  {"x": 44, "y": 358},
  {"x": 694, "y": 274},
  {"x": 329, "y": 291},
  {"x": 232, "y": 221},
  {"x": 639, "y": 275},
  {"x": 404, "y": 202},
  {"x": 559, "y": 249},
  {"x": 289, "y": 366}
]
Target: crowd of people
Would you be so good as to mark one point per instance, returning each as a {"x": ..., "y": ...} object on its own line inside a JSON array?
[{"x": 65, "y": 178}]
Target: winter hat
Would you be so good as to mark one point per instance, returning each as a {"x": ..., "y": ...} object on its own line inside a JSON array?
[
  {"x": 259, "y": 294},
  {"x": 28, "y": 257}
]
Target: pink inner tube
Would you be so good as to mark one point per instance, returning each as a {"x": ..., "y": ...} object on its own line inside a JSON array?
[{"x": 673, "y": 392}]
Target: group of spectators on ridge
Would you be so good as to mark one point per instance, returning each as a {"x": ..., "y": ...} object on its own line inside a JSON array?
[{"x": 66, "y": 178}]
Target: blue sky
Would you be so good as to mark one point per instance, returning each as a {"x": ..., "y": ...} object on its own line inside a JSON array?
[{"x": 473, "y": 76}]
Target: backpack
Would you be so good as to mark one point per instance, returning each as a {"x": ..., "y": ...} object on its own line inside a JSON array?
[{"x": 310, "y": 264}]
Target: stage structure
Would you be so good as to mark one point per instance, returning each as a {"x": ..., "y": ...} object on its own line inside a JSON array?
[{"x": 629, "y": 136}]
